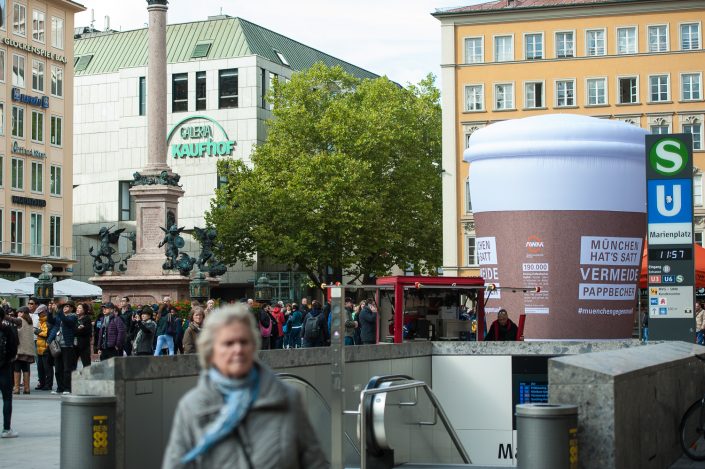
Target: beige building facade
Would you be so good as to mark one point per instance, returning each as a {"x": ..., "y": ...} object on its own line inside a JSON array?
[
  {"x": 639, "y": 61},
  {"x": 36, "y": 147}
]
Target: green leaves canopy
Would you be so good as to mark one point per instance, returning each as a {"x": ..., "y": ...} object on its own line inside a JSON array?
[{"x": 349, "y": 177}]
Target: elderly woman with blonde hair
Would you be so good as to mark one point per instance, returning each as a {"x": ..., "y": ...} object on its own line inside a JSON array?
[{"x": 240, "y": 414}]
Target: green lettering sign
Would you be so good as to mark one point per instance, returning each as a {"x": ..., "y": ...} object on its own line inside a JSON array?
[{"x": 199, "y": 141}]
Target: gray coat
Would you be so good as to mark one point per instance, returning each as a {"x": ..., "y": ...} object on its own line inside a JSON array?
[{"x": 275, "y": 433}]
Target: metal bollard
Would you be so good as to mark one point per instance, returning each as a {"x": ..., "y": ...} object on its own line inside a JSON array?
[
  {"x": 547, "y": 436},
  {"x": 87, "y": 432}
]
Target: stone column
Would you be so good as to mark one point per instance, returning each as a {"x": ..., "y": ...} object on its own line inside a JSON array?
[{"x": 156, "y": 88}]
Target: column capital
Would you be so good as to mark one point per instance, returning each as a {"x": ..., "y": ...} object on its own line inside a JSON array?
[{"x": 161, "y": 3}]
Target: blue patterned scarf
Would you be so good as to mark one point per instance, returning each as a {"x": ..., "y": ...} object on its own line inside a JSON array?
[{"x": 239, "y": 394}]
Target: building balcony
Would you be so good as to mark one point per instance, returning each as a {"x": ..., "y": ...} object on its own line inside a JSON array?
[{"x": 40, "y": 252}]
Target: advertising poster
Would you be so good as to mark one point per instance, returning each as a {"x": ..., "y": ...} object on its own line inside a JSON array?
[{"x": 587, "y": 275}]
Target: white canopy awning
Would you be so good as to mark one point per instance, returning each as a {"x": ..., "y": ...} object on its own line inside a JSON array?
[
  {"x": 8, "y": 288},
  {"x": 74, "y": 288},
  {"x": 25, "y": 286}
]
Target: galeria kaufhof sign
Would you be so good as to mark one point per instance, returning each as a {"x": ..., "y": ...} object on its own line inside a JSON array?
[{"x": 199, "y": 137}]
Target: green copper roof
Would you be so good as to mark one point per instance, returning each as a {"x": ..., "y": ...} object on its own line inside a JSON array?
[{"x": 230, "y": 37}]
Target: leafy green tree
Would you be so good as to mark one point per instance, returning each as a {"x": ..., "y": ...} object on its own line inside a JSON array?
[{"x": 348, "y": 178}]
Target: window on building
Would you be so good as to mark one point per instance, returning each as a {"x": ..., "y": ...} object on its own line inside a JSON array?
[
  {"x": 272, "y": 78},
  {"x": 690, "y": 36},
  {"x": 691, "y": 86},
  {"x": 281, "y": 58},
  {"x": 658, "y": 38},
  {"x": 16, "y": 231},
  {"x": 628, "y": 90},
  {"x": 2, "y": 229},
  {"x": 533, "y": 95},
  {"x": 127, "y": 202},
  {"x": 36, "y": 181},
  {"x": 179, "y": 92},
  {"x": 37, "y": 126},
  {"x": 2, "y": 118},
  {"x": 227, "y": 88},
  {"x": 565, "y": 93},
  {"x": 658, "y": 88},
  {"x": 38, "y": 26},
  {"x": 471, "y": 251},
  {"x": 38, "y": 76},
  {"x": 19, "y": 19},
  {"x": 2, "y": 65},
  {"x": 660, "y": 129},
  {"x": 80, "y": 63},
  {"x": 55, "y": 180},
  {"x": 696, "y": 129},
  {"x": 468, "y": 199},
  {"x": 503, "y": 48},
  {"x": 201, "y": 50},
  {"x": 57, "y": 32},
  {"x": 597, "y": 91},
  {"x": 17, "y": 182},
  {"x": 35, "y": 234},
  {"x": 565, "y": 44},
  {"x": 57, "y": 81},
  {"x": 626, "y": 40},
  {"x": 474, "y": 98},
  {"x": 55, "y": 236},
  {"x": 698, "y": 237},
  {"x": 56, "y": 131},
  {"x": 474, "y": 53},
  {"x": 533, "y": 46},
  {"x": 18, "y": 70},
  {"x": 263, "y": 85},
  {"x": 200, "y": 91},
  {"x": 142, "y": 93},
  {"x": 504, "y": 96},
  {"x": 595, "y": 42},
  {"x": 698, "y": 190},
  {"x": 17, "y": 122}
]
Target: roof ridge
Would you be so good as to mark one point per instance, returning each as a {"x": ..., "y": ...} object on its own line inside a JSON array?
[{"x": 304, "y": 45}]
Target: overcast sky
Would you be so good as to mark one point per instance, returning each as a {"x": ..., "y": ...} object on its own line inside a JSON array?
[{"x": 397, "y": 38}]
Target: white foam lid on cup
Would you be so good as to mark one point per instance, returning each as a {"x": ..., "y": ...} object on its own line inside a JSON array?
[{"x": 558, "y": 162}]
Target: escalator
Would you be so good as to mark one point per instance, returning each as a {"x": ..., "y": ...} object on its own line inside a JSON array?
[{"x": 398, "y": 423}]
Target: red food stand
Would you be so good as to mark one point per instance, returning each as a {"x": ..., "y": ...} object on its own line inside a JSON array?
[{"x": 401, "y": 283}]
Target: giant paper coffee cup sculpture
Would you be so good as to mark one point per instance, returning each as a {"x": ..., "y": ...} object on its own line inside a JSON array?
[{"x": 559, "y": 203}]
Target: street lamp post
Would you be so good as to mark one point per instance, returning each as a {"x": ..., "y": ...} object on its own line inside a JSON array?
[
  {"x": 263, "y": 289},
  {"x": 199, "y": 288},
  {"x": 44, "y": 287}
]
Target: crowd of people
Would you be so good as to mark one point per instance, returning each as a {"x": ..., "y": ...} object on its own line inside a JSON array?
[
  {"x": 294, "y": 325},
  {"x": 58, "y": 335}
]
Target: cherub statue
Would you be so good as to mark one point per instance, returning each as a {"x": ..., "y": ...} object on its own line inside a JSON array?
[
  {"x": 173, "y": 242},
  {"x": 103, "y": 259}
]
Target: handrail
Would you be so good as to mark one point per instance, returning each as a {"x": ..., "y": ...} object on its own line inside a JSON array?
[
  {"x": 411, "y": 384},
  {"x": 320, "y": 396}
]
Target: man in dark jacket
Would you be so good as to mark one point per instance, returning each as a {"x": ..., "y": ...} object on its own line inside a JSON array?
[
  {"x": 112, "y": 333},
  {"x": 126, "y": 315},
  {"x": 65, "y": 364},
  {"x": 368, "y": 323},
  {"x": 502, "y": 328},
  {"x": 8, "y": 351}
]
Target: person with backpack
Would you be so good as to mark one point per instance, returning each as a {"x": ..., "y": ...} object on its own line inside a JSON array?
[
  {"x": 8, "y": 351},
  {"x": 314, "y": 328}
]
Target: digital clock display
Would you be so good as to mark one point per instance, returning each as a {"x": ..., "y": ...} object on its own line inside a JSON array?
[{"x": 680, "y": 254}]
